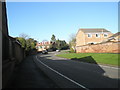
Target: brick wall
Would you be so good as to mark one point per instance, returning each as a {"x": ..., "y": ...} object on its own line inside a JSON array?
[
  {"x": 80, "y": 38},
  {"x": 18, "y": 52},
  {"x": 108, "y": 47}
]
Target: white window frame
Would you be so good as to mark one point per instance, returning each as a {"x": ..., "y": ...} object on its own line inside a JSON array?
[
  {"x": 91, "y": 42},
  {"x": 105, "y": 34},
  {"x": 98, "y": 35},
  {"x": 89, "y": 34}
]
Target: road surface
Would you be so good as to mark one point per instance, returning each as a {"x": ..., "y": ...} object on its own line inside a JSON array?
[{"x": 74, "y": 74}]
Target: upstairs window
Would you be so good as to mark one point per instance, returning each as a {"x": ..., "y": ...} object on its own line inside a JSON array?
[
  {"x": 97, "y": 35},
  {"x": 105, "y": 35},
  {"x": 89, "y": 35}
]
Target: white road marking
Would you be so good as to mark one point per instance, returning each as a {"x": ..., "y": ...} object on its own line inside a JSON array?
[{"x": 62, "y": 75}]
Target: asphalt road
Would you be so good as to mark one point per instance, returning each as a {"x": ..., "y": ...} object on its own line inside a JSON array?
[{"x": 74, "y": 74}]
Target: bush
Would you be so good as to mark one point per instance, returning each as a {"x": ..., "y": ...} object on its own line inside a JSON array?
[{"x": 72, "y": 50}]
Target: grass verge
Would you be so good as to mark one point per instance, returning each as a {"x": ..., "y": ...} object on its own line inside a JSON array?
[{"x": 102, "y": 58}]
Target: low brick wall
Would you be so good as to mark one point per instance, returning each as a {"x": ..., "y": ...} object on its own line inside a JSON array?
[{"x": 108, "y": 47}]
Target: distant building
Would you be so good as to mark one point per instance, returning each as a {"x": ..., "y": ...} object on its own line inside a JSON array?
[
  {"x": 43, "y": 46},
  {"x": 91, "y": 36}
]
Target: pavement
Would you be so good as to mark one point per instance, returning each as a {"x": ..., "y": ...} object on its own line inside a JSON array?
[
  {"x": 28, "y": 75},
  {"x": 50, "y": 71}
]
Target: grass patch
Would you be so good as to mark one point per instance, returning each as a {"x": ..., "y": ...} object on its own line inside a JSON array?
[{"x": 103, "y": 58}]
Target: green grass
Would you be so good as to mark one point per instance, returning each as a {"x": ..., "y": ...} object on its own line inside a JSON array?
[{"x": 102, "y": 58}]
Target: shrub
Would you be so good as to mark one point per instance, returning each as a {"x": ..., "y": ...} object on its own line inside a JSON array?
[{"x": 72, "y": 50}]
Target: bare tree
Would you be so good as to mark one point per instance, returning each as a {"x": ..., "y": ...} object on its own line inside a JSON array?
[
  {"x": 72, "y": 36},
  {"x": 23, "y": 35},
  {"x": 72, "y": 41}
]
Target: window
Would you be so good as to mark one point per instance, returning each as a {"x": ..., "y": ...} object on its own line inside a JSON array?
[
  {"x": 89, "y": 35},
  {"x": 91, "y": 43},
  {"x": 97, "y": 35},
  {"x": 38, "y": 47},
  {"x": 105, "y": 35}
]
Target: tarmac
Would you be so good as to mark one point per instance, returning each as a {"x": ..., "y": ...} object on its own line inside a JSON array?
[{"x": 28, "y": 75}]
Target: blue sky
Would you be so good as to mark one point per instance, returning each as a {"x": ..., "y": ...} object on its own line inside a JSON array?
[{"x": 42, "y": 19}]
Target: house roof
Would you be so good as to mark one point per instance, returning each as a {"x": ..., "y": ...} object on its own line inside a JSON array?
[
  {"x": 116, "y": 34},
  {"x": 43, "y": 43},
  {"x": 113, "y": 37},
  {"x": 92, "y": 30}
]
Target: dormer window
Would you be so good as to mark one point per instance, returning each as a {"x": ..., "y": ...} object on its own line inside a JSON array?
[{"x": 89, "y": 35}]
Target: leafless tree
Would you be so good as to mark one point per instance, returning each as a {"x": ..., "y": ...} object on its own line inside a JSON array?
[
  {"x": 23, "y": 35},
  {"x": 72, "y": 41}
]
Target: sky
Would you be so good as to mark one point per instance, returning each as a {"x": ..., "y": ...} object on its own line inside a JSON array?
[{"x": 40, "y": 20}]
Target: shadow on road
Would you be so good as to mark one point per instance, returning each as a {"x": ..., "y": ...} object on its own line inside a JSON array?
[
  {"x": 90, "y": 59},
  {"x": 89, "y": 78},
  {"x": 28, "y": 75},
  {"x": 87, "y": 59}
]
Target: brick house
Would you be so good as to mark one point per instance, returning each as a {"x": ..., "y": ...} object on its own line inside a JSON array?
[
  {"x": 91, "y": 36},
  {"x": 43, "y": 46},
  {"x": 114, "y": 38}
]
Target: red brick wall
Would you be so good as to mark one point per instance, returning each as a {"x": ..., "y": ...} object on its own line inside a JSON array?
[{"x": 108, "y": 47}]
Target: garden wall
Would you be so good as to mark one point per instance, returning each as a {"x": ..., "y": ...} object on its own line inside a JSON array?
[{"x": 108, "y": 47}]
